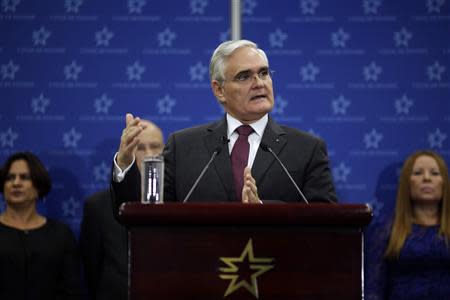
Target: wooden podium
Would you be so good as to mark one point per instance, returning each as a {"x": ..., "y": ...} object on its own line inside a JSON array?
[{"x": 234, "y": 251}]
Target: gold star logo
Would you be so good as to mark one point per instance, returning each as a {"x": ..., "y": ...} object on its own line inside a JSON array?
[{"x": 255, "y": 267}]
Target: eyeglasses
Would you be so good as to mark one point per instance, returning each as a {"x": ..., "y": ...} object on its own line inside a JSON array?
[{"x": 247, "y": 76}]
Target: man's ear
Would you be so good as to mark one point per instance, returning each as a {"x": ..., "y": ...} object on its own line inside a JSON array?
[{"x": 218, "y": 91}]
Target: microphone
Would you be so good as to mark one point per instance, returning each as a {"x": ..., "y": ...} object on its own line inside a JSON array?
[
  {"x": 268, "y": 149},
  {"x": 216, "y": 152}
]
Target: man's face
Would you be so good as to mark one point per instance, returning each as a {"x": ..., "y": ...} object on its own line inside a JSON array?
[
  {"x": 150, "y": 143},
  {"x": 246, "y": 100}
]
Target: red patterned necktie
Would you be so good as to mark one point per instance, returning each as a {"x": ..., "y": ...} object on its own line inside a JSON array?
[{"x": 239, "y": 158}]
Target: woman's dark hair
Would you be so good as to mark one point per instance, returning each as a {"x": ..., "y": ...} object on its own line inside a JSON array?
[{"x": 38, "y": 173}]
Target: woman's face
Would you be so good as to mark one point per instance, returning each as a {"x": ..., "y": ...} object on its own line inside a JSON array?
[
  {"x": 426, "y": 181},
  {"x": 19, "y": 188}
]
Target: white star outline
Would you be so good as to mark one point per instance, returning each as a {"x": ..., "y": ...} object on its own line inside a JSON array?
[
  {"x": 371, "y": 6},
  {"x": 313, "y": 132},
  {"x": 309, "y": 72},
  {"x": 372, "y": 139},
  {"x": 341, "y": 172},
  {"x": 103, "y": 37},
  {"x": 435, "y": 6},
  {"x": 72, "y": 71},
  {"x": 135, "y": 6},
  {"x": 40, "y": 36},
  {"x": 166, "y": 37},
  {"x": 101, "y": 172},
  {"x": 198, "y": 71},
  {"x": 436, "y": 138},
  {"x": 71, "y": 138},
  {"x": 70, "y": 206},
  {"x": 9, "y": 70},
  {"x": 403, "y": 104},
  {"x": 339, "y": 38},
  {"x": 340, "y": 105},
  {"x": 39, "y": 104},
  {"x": 435, "y": 71},
  {"x": 198, "y": 6},
  {"x": 248, "y": 6},
  {"x": 279, "y": 105},
  {"x": 402, "y": 37},
  {"x": 8, "y": 137},
  {"x": 277, "y": 38},
  {"x": 103, "y": 104},
  {"x": 10, "y": 5},
  {"x": 165, "y": 104},
  {"x": 135, "y": 71},
  {"x": 372, "y": 71},
  {"x": 308, "y": 7},
  {"x": 72, "y": 5}
]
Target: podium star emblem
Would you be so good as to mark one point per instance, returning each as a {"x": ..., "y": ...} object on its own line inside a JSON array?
[{"x": 256, "y": 266}]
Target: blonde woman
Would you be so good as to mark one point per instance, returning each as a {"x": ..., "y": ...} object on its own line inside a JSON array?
[{"x": 409, "y": 257}]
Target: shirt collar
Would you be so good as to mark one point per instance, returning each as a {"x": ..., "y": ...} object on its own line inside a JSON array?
[{"x": 258, "y": 126}]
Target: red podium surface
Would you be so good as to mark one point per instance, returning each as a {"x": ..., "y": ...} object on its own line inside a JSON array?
[{"x": 236, "y": 251}]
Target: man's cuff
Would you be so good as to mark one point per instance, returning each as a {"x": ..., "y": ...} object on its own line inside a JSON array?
[{"x": 118, "y": 174}]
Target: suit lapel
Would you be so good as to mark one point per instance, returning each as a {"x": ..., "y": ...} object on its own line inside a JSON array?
[
  {"x": 274, "y": 137},
  {"x": 216, "y": 136}
]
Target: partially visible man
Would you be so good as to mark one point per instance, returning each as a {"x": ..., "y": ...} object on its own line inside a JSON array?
[
  {"x": 103, "y": 241},
  {"x": 244, "y": 168}
]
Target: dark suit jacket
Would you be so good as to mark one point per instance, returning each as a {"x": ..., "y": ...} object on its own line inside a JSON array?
[
  {"x": 187, "y": 152},
  {"x": 103, "y": 244}
]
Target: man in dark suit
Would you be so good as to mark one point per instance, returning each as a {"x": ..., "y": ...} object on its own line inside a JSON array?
[
  {"x": 103, "y": 241},
  {"x": 244, "y": 169}
]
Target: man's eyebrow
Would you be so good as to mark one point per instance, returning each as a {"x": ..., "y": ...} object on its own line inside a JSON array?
[{"x": 264, "y": 68}]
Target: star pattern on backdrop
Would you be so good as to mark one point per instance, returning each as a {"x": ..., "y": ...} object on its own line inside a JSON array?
[
  {"x": 71, "y": 138},
  {"x": 72, "y": 71},
  {"x": 372, "y": 139},
  {"x": 198, "y": 6},
  {"x": 341, "y": 172},
  {"x": 277, "y": 38},
  {"x": 371, "y": 6},
  {"x": 165, "y": 104},
  {"x": 248, "y": 6},
  {"x": 279, "y": 105},
  {"x": 9, "y": 70},
  {"x": 70, "y": 207},
  {"x": 10, "y": 5},
  {"x": 40, "y": 36},
  {"x": 166, "y": 37},
  {"x": 309, "y": 72},
  {"x": 101, "y": 172},
  {"x": 435, "y": 71},
  {"x": 8, "y": 137},
  {"x": 372, "y": 71},
  {"x": 309, "y": 7},
  {"x": 103, "y": 37},
  {"x": 135, "y": 6},
  {"x": 403, "y": 104},
  {"x": 135, "y": 71},
  {"x": 339, "y": 38},
  {"x": 402, "y": 37},
  {"x": 198, "y": 72},
  {"x": 434, "y": 6},
  {"x": 72, "y": 6},
  {"x": 436, "y": 138},
  {"x": 340, "y": 105},
  {"x": 40, "y": 104},
  {"x": 102, "y": 104}
]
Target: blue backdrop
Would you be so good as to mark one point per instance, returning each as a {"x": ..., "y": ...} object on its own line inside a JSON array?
[{"x": 370, "y": 77}]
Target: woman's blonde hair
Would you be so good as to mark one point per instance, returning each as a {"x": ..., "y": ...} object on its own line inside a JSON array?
[{"x": 403, "y": 216}]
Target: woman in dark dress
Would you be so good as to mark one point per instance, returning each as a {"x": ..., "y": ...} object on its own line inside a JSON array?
[
  {"x": 409, "y": 257},
  {"x": 38, "y": 256}
]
